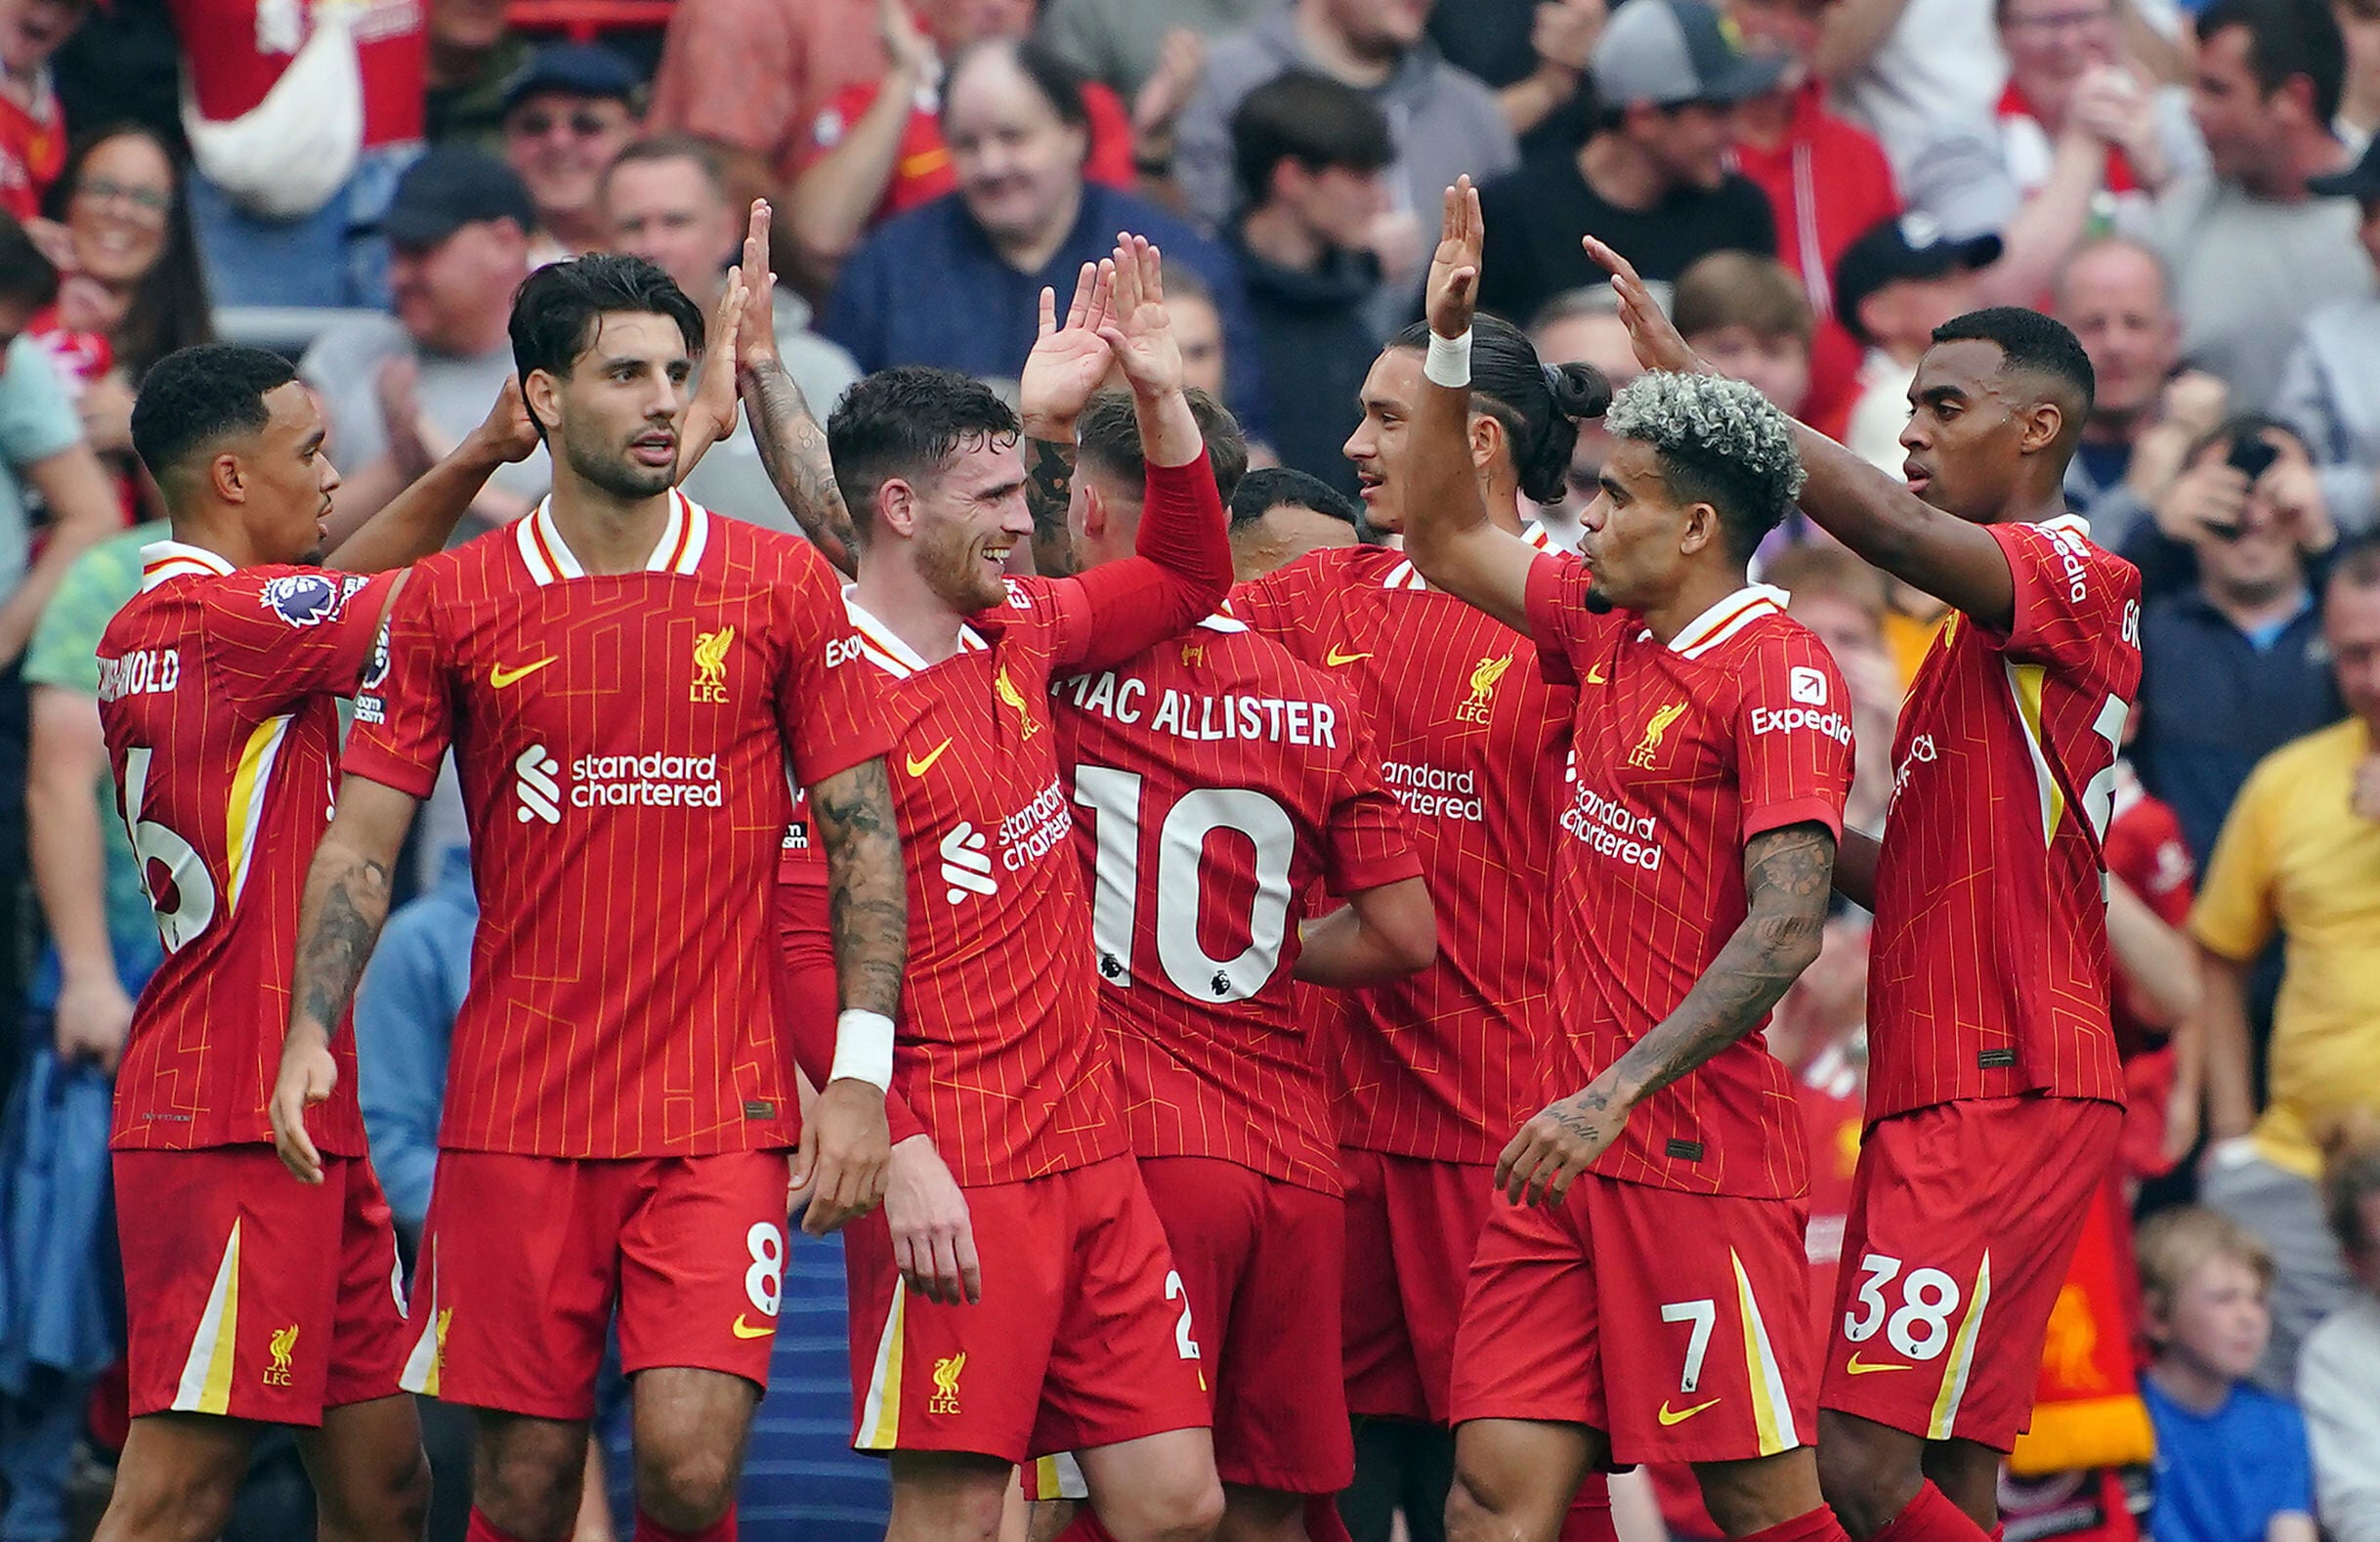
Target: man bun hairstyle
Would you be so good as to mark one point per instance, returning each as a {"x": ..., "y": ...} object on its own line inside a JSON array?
[
  {"x": 1539, "y": 405},
  {"x": 1718, "y": 442},
  {"x": 908, "y": 422},
  {"x": 194, "y": 399},
  {"x": 1108, "y": 439}
]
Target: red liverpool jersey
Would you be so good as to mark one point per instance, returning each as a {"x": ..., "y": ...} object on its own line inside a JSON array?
[
  {"x": 33, "y": 151},
  {"x": 1740, "y": 725},
  {"x": 1216, "y": 779},
  {"x": 622, "y": 743},
  {"x": 1990, "y": 974},
  {"x": 217, "y": 691},
  {"x": 1447, "y": 1063}
]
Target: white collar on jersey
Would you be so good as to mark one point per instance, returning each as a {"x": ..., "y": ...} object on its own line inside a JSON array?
[
  {"x": 1224, "y": 622},
  {"x": 161, "y": 559},
  {"x": 1404, "y": 575},
  {"x": 880, "y": 646},
  {"x": 1726, "y": 619},
  {"x": 550, "y": 560}
]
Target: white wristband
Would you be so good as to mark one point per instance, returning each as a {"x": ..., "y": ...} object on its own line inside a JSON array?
[
  {"x": 1448, "y": 363},
  {"x": 863, "y": 1048}
]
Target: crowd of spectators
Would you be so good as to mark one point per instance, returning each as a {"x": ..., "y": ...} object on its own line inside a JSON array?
[{"x": 1812, "y": 185}]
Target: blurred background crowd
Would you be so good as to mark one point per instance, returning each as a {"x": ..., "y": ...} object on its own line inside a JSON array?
[{"x": 1812, "y": 184}]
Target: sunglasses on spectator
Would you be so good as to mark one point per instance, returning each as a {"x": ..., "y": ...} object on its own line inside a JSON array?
[
  {"x": 583, "y": 125},
  {"x": 149, "y": 200}
]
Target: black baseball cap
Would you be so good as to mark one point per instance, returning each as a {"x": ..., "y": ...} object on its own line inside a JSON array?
[
  {"x": 2360, "y": 180},
  {"x": 1913, "y": 247},
  {"x": 449, "y": 187},
  {"x": 1671, "y": 52},
  {"x": 578, "y": 69}
]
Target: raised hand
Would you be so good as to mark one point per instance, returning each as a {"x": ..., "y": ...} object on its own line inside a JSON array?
[
  {"x": 1140, "y": 333},
  {"x": 1068, "y": 362},
  {"x": 507, "y": 431},
  {"x": 1452, "y": 295},
  {"x": 1659, "y": 344},
  {"x": 755, "y": 340},
  {"x": 710, "y": 411}
]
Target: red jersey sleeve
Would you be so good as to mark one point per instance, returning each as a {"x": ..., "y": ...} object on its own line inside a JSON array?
[
  {"x": 405, "y": 713},
  {"x": 829, "y": 700},
  {"x": 1793, "y": 732},
  {"x": 1181, "y": 571},
  {"x": 2076, "y": 604},
  {"x": 1369, "y": 840},
  {"x": 1563, "y": 629},
  {"x": 281, "y": 633}
]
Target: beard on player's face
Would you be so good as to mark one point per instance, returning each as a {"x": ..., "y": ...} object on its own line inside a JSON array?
[
  {"x": 963, "y": 563},
  {"x": 608, "y": 459}
]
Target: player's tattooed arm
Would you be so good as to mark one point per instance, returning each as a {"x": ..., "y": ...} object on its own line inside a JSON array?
[
  {"x": 866, "y": 896},
  {"x": 345, "y": 902},
  {"x": 1787, "y": 874},
  {"x": 792, "y": 446},
  {"x": 1049, "y": 489}
]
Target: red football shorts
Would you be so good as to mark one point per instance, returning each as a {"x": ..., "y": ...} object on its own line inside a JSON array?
[
  {"x": 1709, "y": 1358},
  {"x": 1411, "y": 1227},
  {"x": 1083, "y": 1337},
  {"x": 1251, "y": 1251},
  {"x": 252, "y": 1294},
  {"x": 525, "y": 1257},
  {"x": 1963, "y": 1218}
]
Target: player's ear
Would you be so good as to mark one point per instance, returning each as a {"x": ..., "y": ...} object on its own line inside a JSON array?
[
  {"x": 542, "y": 391},
  {"x": 1094, "y": 512},
  {"x": 2042, "y": 423},
  {"x": 897, "y": 506},
  {"x": 1487, "y": 436},
  {"x": 1702, "y": 529},
  {"x": 228, "y": 478}
]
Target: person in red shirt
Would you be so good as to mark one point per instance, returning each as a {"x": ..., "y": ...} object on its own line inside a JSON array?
[
  {"x": 33, "y": 125},
  {"x": 1994, "y": 1092},
  {"x": 1017, "y": 1297},
  {"x": 630, "y": 684},
  {"x": 1712, "y": 755},
  {"x": 1225, "y": 785},
  {"x": 251, "y": 1299}
]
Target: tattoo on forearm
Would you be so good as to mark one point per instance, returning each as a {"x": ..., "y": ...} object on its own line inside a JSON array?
[
  {"x": 1787, "y": 873},
  {"x": 347, "y": 900},
  {"x": 1049, "y": 486},
  {"x": 793, "y": 448},
  {"x": 866, "y": 895}
]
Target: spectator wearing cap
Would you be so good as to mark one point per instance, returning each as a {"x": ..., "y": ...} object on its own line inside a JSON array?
[
  {"x": 400, "y": 390},
  {"x": 566, "y": 114},
  {"x": 1312, "y": 157},
  {"x": 877, "y": 149},
  {"x": 1893, "y": 287},
  {"x": 1443, "y": 122},
  {"x": 666, "y": 201},
  {"x": 1827, "y": 181},
  {"x": 296, "y": 165},
  {"x": 1652, "y": 178},
  {"x": 474, "y": 55},
  {"x": 2330, "y": 389},
  {"x": 2254, "y": 250},
  {"x": 1278, "y": 515},
  {"x": 958, "y": 284}
]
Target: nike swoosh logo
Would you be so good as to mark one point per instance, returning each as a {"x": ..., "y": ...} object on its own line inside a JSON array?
[
  {"x": 1334, "y": 659},
  {"x": 499, "y": 677},
  {"x": 921, "y": 766},
  {"x": 1594, "y": 676},
  {"x": 745, "y": 1330},
  {"x": 1682, "y": 1415},
  {"x": 1857, "y": 1367}
]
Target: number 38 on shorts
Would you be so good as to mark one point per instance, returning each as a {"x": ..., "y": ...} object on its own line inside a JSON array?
[{"x": 1913, "y": 1308}]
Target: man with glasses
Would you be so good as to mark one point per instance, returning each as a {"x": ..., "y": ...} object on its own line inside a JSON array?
[{"x": 566, "y": 114}]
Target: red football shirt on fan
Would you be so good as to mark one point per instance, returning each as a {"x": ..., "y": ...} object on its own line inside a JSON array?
[
  {"x": 217, "y": 693},
  {"x": 33, "y": 151},
  {"x": 1990, "y": 974},
  {"x": 1738, "y": 726},
  {"x": 1447, "y": 1063},
  {"x": 622, "y": 744},
  {"x": 1217, "y": 779},
  {"x": 236, "y": 50},
  {"x": 998, "y": 1054},
  {"x": 922, "y": 171},
  {"x": 2145, "y": 849}
]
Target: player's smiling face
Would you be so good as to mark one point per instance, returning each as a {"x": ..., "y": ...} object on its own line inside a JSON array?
[
  {"x": 1965, "y": 431},
  {"x": 1378, "y": 447},
  {"x": 615, "y": 415},
  {"x": 288, "y": 479},
  {"x": 965, "y": 519}
]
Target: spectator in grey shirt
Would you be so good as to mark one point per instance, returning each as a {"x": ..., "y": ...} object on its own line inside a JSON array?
[
  {"x": 2330, "y": 392},
  {"x": 2338, "y": 1375},
  {"x": 2254, "y": 250},
  {"x": 1442, "y": 121}
]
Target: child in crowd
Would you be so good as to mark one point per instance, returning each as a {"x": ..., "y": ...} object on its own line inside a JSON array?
[{"x": 2231, "y": 1459}]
